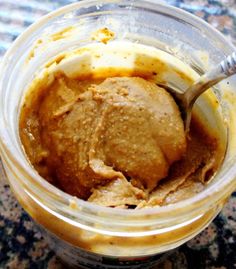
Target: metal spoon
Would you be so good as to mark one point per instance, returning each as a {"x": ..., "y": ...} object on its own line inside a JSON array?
[{"x": 186, "y": 100}]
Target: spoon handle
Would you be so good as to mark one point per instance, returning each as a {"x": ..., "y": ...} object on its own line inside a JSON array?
[
  {"x": 224, "y": 69},
  {"x": 229, "y": 65}
]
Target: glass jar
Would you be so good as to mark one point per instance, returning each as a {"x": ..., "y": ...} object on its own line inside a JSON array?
[{"x": 82, "y": 234}]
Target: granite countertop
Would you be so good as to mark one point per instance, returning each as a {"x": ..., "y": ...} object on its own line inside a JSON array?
[{"x": 22, "y": 245}]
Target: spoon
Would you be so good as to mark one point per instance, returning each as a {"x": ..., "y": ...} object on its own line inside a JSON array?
[{"x": 186, "y": 100}]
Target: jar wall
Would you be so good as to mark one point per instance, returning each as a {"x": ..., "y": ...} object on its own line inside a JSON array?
[{"x": 131, "y": 24}]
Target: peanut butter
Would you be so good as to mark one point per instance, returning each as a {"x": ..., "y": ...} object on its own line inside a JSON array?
[{"x": 117, "y": 142}]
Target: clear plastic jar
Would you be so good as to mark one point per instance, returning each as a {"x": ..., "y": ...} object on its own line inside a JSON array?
[{"x": 83, "y": 234}]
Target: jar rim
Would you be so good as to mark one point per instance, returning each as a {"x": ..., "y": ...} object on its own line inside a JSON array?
[{"x": 206, "y": 198}]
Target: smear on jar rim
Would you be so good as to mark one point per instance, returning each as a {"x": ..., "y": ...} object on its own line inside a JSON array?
[{"x": 103, "y": 35}]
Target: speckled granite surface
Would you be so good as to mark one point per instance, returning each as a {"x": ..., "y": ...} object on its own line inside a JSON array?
[{"x": 22, "y": 246}]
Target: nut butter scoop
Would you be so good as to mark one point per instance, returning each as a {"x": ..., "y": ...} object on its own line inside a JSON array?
[
  {"x": 141, "y": 133},
  {"x": 123, "y": 128}
]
